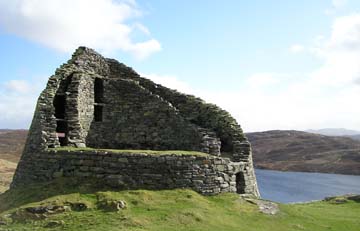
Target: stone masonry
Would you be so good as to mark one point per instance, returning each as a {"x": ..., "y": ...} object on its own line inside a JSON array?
[{"x": 100, "y": 103}]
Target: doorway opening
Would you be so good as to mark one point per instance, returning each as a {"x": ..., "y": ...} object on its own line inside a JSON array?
[
  {"x": 98, "y": 90},
  {"x": 61, "y": 131},
  {"x": 240, "y": 183},
  {"x": 61, "y": 123},
  {"x": 59, "y": 104}
]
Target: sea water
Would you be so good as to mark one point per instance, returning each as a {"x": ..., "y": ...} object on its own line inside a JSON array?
[{"x": 288, "y": 187}]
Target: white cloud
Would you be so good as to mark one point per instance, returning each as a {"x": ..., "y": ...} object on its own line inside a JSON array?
[
  {"x": 19, "y": 86},
  {"x": 336, "y": 5},
  {"x": 339, "y": 3},
  {"x": 340, "y": 53},
  {"x": 357, "y": 81},
  {"x": 300, "y": 105},
  {"x": 296, "y": 48},
  {"x": 142, "y": 28},
  {"x": 170, "y": 81},
  {"x": 144, "y": 49},
  {"x": 18, "y": 100},
  {"x": 325, "y": 97},
  {"x": 262, "y": 79},
  {"x": 66, "y": 24}
]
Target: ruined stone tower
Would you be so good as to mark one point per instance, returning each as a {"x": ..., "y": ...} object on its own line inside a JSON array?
[{"x": 106, "y": 106}]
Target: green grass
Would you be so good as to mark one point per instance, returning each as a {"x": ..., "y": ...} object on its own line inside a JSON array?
[
  {"x": 7, "y": 170},
  {"x": 123, "y": 151},
  {"x": 164, "y": 210}
]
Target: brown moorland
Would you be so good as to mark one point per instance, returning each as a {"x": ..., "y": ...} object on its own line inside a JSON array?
[{"x": 305, "y": 152}]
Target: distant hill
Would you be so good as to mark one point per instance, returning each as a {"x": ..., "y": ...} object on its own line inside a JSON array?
[
  {"x": 334, "y": 132},
  {"x": 11, "y": 145},
  {"x": 355, "y": 137},
  {"x": 305, "y": 152},
  {"x": 277, "y": 150}
]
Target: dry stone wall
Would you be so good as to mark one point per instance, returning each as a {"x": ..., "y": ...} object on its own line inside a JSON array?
[
  {"x": 204, "y": 173},
  {"x": 96, "y": 102},
  {"x": 143, "y": 121}
]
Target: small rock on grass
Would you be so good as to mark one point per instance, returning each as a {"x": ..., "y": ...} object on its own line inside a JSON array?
[
  {"x": 2, "y": 222},
  {"x": 112, "y": 205},
  {"x": 266, "y": 207},
  {"x": 52, "y": 224},
  {"x": 78, "y": 206}
]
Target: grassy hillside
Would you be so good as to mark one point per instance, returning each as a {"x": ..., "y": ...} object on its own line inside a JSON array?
[
  {"x": 305, "y": 152},
  {"x": 163, "y": 210},
  {"x": 7, "y": 169},
  {"x": 11, "y": 144}
]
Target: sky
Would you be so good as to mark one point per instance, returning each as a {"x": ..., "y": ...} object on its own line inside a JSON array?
[{"x": 272, "y": 64}]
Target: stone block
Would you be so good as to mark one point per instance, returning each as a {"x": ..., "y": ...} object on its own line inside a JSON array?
[
  {"x": 84, "y": 168},
  {"x": 115, "y": 180},
  {"x": 220, "y": 167},
  {"x": 219, "y": 179},
  {"x": 82, "y": 174},
  {"x": 123, "y": 160},
  {"x": 58, "y": 174},
  {"x": 88, "y": 162}
]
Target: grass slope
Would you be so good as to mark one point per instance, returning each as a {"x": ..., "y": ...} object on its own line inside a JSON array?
[
  {"x": 169, "y": 210},
  {"x": 11, "y": 144},
  {"x": 7, "y": 170}
]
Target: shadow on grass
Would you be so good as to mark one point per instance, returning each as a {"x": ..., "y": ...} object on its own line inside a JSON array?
[{"x": 22, "y": 195}]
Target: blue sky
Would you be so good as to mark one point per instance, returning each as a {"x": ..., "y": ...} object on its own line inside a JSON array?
[{"x": 273, "y": 64}]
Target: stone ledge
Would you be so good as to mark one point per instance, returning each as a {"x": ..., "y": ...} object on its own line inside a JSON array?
[{"x": 65, "y": 150}]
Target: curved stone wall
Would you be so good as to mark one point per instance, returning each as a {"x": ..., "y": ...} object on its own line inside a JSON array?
[{"x": 203, "y": 173}]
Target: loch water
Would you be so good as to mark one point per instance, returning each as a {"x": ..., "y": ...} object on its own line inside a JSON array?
[{"x": 290, "y": 187}]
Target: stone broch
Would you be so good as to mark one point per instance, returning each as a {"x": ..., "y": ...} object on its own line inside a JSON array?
[{"x": 96, "y": 102}]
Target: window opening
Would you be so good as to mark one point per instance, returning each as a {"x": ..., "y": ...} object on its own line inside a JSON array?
[
  {"x": 98, "y": 90},
  {"x": 60, "y": 111},
  {"x": 98, "y": 113}
]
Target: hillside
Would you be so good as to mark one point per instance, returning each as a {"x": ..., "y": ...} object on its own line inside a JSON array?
[
  {"x": 7, "y": 169},
  {"x": 334, "y": 132},
  {"x": 11, "y": 145},
  {"x": 63, "y": 205},
  {"x": 306, "y": 152},
  {"x": 277, "y": 150},
  {"x": 355, "y": 137}
]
